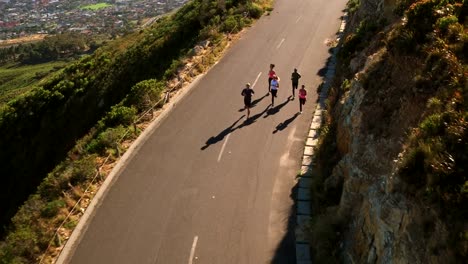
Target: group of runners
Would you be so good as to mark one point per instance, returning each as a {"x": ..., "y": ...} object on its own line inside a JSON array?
[{"x": 273, "y": 86}]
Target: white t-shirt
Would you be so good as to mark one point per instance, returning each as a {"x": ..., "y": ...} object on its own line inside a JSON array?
[{"x": 274, "y": 84}]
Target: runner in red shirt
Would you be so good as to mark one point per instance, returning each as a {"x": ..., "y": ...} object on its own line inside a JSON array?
[
  {"x": 302, "y": 97},
  {"x": 271, "y": 75}
]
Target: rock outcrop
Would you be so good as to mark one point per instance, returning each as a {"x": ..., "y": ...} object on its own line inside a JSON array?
[{"x": 374, "y": 117}]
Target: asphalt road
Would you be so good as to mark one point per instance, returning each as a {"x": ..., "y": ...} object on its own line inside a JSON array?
[{"x": 209, "y": 186}]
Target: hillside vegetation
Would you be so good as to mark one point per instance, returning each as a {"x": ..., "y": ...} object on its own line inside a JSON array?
[
  {"x": 16, "y": 79},
  {"x": 51, "y": 48},
  {"x": 23, "y": 66},
  {"x": 54, "y": 136},
  {"x": 393, "y": 159}
]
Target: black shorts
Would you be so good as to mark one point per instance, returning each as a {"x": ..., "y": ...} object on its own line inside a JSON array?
[
  {"x": 302, "y": 101},
  {"x": 295, "y": 84},
  {"x": 247, "y": 101},
  {"x": 273, "y": 92}
]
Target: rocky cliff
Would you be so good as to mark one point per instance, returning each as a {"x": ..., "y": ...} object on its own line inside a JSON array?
[{"x": 382, "y": 91}]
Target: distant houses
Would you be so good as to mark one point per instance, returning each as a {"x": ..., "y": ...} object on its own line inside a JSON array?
[{"x": 23, "y": 17}]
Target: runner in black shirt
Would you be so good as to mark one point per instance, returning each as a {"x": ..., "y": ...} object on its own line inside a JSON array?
[
  {"x": 247, "y": 93},
  {"x": 295, "y": 76}
]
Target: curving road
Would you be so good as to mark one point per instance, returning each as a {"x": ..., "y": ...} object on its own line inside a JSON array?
[{"x": 207, "y": 185}]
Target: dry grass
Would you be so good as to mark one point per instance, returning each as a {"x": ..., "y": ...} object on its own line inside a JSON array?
[{"x": 22, "y": 40}]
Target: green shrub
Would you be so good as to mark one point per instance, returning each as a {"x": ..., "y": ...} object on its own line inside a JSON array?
[
  {"x": 241, "y": 23},
  {"x": 229, "y": 24},
  {"x": 403, "y": 41},
  {"x": 106, "y": 139},
  {"x": 21, "y": 246},
  {"x": 71, "y": 224},
  {"x": 421, "y": 18},
  {"x": 246, "y": 21},
  {"x": 358, "y": 40},
  {"x": 346, "y": 85},
  {"x": 52, "y": 186},
  {"x": 432, "y": 125},
  {"x": 84, "y": 168},
  {"x": 144, "y": 93},
  {"x": 437, "y": 156},
  {"x": 209, "y": 32},
  {"x": 173, "y": 68},
  {"x": 443, "y": 23},
  {"x": 255, "y": 10},
  {"x": 434, "y": 104},
  {"x": 119, "y": 115},
  {"x": 353, "y": 6},
  {"x": 51, "y": 209},
  {"x": 455, "y": 33}
]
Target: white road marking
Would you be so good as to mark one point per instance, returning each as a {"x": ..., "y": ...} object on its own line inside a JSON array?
[
  {"x": 222, "y": 148},
  {"x": 192, "y": 251},
  {"x": 258, "y": 76},
  {"x": 279, "y": 45},
  {"x": 299, "y": 18}
]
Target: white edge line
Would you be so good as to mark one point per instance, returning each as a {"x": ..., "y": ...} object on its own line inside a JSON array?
[
  {"x": 222, "y": 148},
  {"x": 192, "y": 251},
  {"x": 279, "y": 45},
  {"x": 258, "y": 76}
]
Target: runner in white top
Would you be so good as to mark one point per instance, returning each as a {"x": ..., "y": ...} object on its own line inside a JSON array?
[{"x": 274, "y": 89}]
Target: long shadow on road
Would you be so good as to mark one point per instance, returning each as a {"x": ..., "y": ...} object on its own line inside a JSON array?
[
  {"x": 233, "y": 127},
  {"x": 258, "y": 100},
  {"x": 220, "y": 136},
  {"x": 285, "y": 123},
  {"x": 277, "y": 108},
  {"x": 253, "y": 118},
  {"x": 268, "y": 110}
]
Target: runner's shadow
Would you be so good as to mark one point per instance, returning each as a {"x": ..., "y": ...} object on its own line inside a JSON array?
[
  {"x": 285, "y": 124},
  {"x": 258, "y": 100},
  {"x": 276, "y": 109},
  {"x": 220, "y": 136},
  {"x": 253, "y": 118}
]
